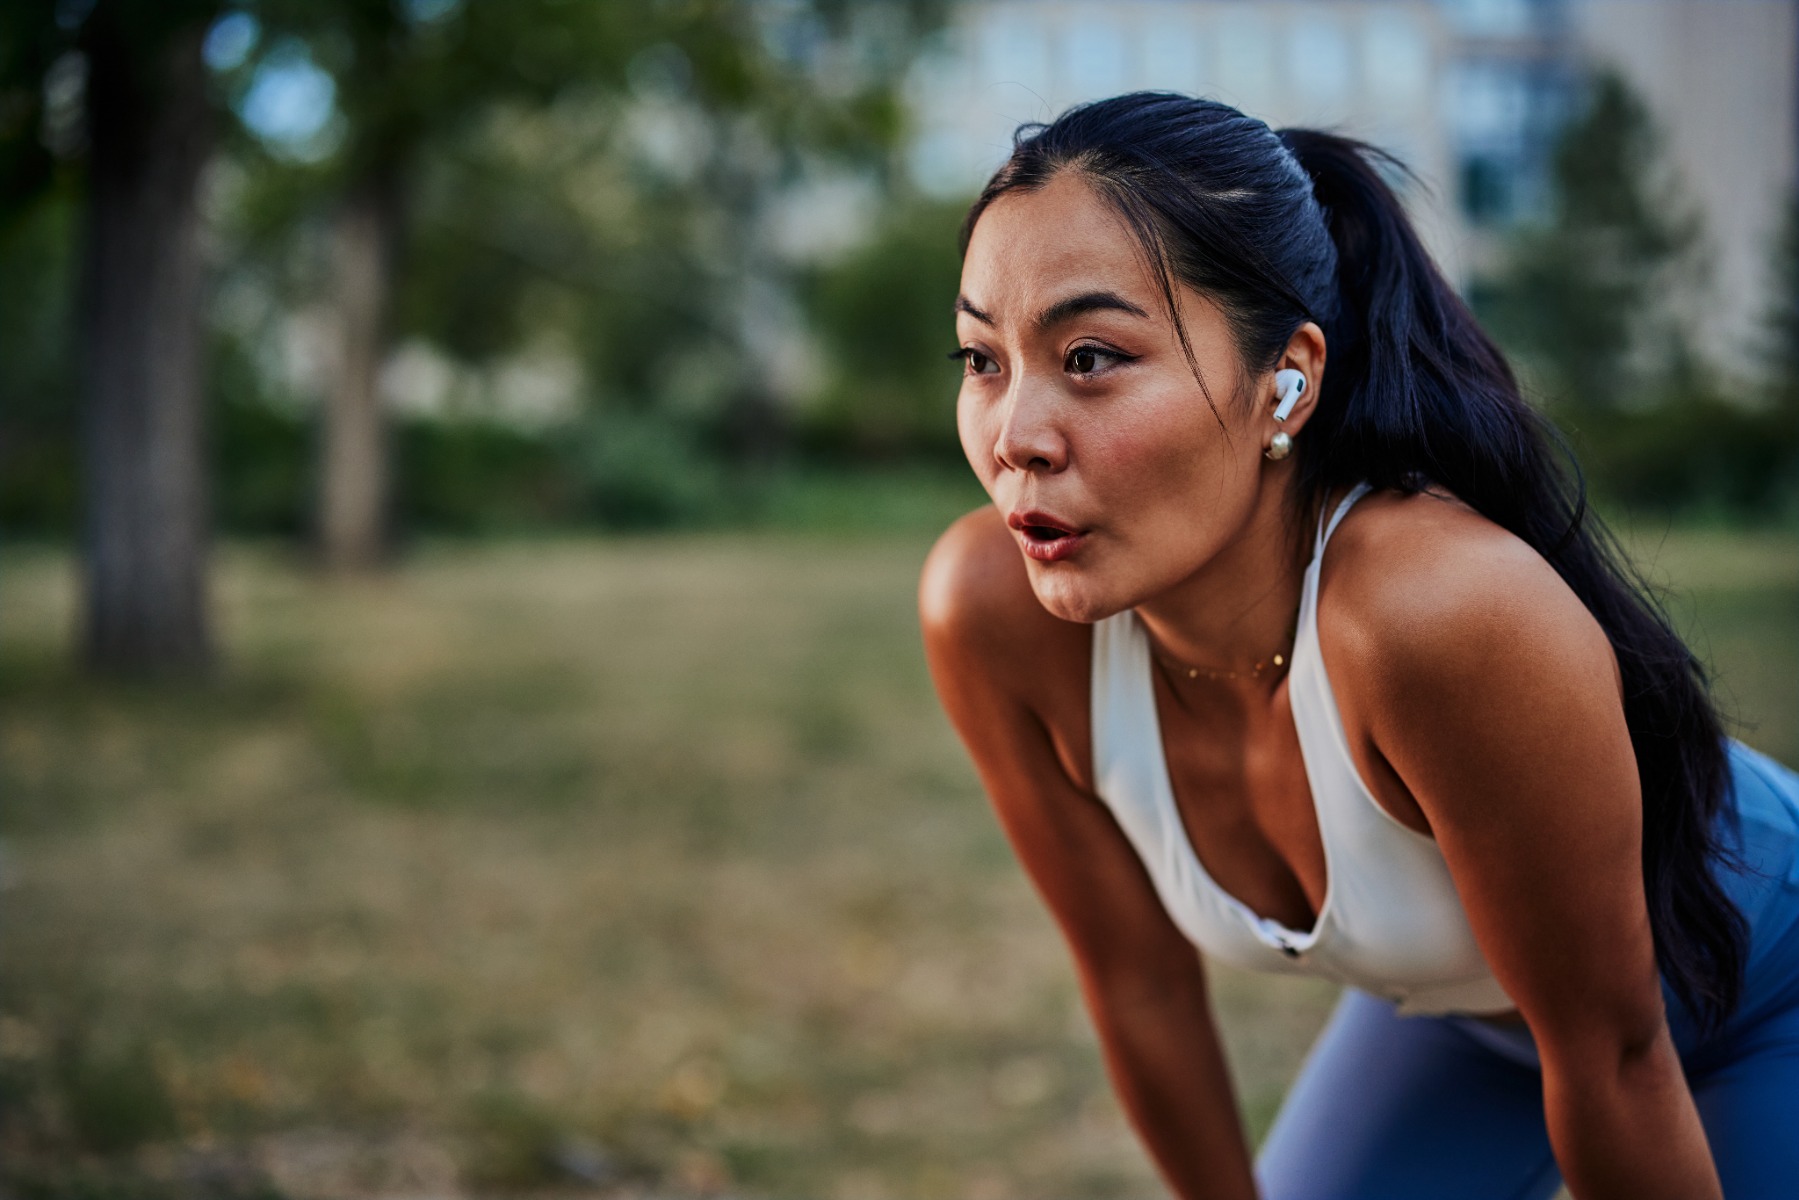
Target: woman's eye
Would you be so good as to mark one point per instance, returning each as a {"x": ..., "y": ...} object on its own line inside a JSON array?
[
  {"x": 977, "y": 363},
  {"x": 1087, "y": 360}
]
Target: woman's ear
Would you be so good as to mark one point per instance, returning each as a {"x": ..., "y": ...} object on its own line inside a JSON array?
[{"x": 1304, "y": 353}]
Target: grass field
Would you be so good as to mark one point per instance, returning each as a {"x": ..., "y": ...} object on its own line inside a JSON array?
[{"x": 635, "y": 866}]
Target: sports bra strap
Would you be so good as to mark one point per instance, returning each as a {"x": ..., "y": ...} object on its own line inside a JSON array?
[{"x": 1325, "y": 529}]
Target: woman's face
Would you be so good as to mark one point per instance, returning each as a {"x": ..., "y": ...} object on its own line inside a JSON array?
[{"x": 1081, "y": 415}]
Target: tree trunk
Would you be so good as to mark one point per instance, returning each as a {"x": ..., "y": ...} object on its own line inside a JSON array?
[
  {"x": 150, "y": 130},
  {"x": 353, "y": 484}
]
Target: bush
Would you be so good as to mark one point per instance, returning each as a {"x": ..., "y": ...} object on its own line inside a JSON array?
[
  {"x": 461, "y": 476},
  {"x": 115, "y": 1099},
  {"x": 639, "y": 472},
  {"x": 1694, "y": 452},
  {"x": 884, "y": 315}
]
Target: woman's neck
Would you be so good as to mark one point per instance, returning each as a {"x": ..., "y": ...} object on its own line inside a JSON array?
[{"x": 1238, "y": 609}]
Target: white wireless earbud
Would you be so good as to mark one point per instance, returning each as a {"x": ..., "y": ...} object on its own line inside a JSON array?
[{"x": 1289, "y": 385}]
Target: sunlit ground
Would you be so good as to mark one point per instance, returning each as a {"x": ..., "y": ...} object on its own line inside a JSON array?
[{"x": 639, "y": 866}]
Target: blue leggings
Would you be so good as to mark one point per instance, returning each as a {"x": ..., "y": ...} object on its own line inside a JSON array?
[{"x": 1426, "y": 1108}]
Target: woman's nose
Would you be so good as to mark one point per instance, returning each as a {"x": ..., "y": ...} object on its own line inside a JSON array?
[{"x": 1030, "y": 438}]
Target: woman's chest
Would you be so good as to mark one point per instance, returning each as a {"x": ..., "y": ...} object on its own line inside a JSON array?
[
  {"x": 1251, "y": 811},
  {"x": 1245, "y": 803}
]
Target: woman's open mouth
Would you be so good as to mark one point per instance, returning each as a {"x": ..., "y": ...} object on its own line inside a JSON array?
[{"x": 1045, "y": 538}]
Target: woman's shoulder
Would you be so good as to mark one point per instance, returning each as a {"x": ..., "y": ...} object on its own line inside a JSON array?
[
  {"x": 976, "y": 605},
  {"x": 1421, "y": 588}
]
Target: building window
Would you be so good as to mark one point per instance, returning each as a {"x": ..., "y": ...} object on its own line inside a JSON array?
[
  {"x": 1013, "y": 49},
  {"x": 1091, "y": 62},
  {"x": 1491, "y": 18},
  {"x": 1245, "y": 68},
  {"x": 1321, "y": 61},
  {"x": 1395, "y": 58},
  {"x": 1169, "y": 48},
  {"x": 1485, "y": 190}
]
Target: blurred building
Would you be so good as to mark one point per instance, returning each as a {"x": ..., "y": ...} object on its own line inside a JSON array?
[{"x": 1470, "y": 93}]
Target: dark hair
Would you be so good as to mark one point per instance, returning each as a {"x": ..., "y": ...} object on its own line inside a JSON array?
[{"x": 1284, "y": 228}]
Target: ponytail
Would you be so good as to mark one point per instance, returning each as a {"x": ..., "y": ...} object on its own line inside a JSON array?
[
  {"x": 1421, "y": 396},
  {"x": 1282, "y": 229}
]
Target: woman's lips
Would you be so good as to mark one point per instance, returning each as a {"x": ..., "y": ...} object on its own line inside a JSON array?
[{"x": 1044, "y": 537}]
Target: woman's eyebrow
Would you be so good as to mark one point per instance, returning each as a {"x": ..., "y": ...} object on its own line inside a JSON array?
[
  {"x": 965, "y": 305},
  {"x": 1086, "y": 302},
  {"x": 1063, "y": 310}
]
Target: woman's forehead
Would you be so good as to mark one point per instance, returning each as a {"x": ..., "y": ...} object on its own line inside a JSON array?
[{"x": 1032, "y": 247}]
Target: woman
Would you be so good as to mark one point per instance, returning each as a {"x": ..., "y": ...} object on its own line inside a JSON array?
[{"x": 1457, "y": 763}]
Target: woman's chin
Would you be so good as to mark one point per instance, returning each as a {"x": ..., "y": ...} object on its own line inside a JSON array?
[{"x": 1064, "y": 593}]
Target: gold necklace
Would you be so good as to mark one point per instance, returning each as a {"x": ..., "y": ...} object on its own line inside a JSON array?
[{"x": 1213, "y": 674}]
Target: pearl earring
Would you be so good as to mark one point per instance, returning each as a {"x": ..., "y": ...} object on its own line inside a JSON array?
[{"x": 1289, "y": 386}]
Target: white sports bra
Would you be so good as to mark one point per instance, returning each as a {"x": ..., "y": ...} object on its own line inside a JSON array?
[{"x": 1391, "y": 922}]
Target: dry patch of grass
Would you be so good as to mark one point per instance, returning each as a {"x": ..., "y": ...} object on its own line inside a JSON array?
[{"x": 641, "y": 866}]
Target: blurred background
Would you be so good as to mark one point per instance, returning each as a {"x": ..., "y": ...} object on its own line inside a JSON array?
[{"x": 463, "y": 470}]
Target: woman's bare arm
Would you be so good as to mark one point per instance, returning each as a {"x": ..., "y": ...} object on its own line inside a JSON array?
[
  {"x": 994, "y": 655},
  {"x": 1493, "y": 694}
]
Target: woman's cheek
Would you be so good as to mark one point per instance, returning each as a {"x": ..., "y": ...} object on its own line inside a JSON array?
[
  {"x": 1130, "y": 466},
  {"x": 977, "y": 444}
]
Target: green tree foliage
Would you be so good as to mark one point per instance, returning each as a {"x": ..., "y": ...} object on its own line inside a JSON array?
[
  {"x": 588, "y": 185},
  {"x": 35, "y": 103},
  {"x": 1781, "y": 347},
  {"x": 37, "y": 385},
  {"x": 1583, "y": 299},
  {"x": 1592, "y": 307},
  {"x": 883, "y": 316},
  {"x": 1781, "y": 362}
]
